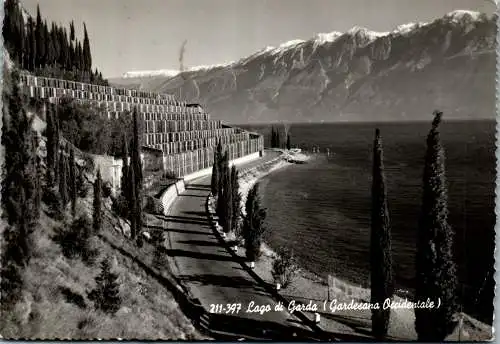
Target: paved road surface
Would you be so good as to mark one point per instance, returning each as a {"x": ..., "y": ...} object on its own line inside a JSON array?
[{"x": 213, "y": 276}]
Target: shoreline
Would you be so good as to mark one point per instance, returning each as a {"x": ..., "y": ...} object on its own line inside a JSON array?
[{"x": 309, "y": 287}]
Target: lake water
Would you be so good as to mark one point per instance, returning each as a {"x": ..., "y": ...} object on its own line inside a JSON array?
[{"x": 321, "y": 210}]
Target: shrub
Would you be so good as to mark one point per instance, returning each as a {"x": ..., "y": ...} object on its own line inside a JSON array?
[
  {"x": 89, "y": 164},
  {"x": 81, "y": 185},
  {"x": 120, "y": 206},
  {"x": 153, "y": 206},
  {"x": 106, "y": 189},
  {"x": 284, "y": 267},
  {"x": 169, "y": 175},
  {"x": 54, "y": 204},
  {"x": 76, "y": 240}
]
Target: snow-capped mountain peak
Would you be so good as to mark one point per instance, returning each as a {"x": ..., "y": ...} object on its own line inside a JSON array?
[
  {"x": 150, "y": 73},
  {"x": 329, "y": 37},
  {"x": 291, "y": 43},
  {"x": 407, "y": 28},
  {"x": 463, "y": 14},
  {"x": 457, "y": 16},
  {"x": 360, "y": 30}
]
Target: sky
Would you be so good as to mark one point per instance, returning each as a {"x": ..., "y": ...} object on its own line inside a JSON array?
[{"x": 131, "y": 35}]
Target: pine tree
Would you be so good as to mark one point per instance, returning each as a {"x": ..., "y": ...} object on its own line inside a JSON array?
[
  {"x": 97, "y": 204},
  {"x": 73, "y": 177},
  {"x": 436, "y": 271},
  {"x": 106, "y": 295},
  {"x": 382, "y": 286},
  {"x": 253, "y": 224}
]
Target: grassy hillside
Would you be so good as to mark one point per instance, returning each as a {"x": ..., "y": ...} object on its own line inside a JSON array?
[{"x": 55, "y": 302}]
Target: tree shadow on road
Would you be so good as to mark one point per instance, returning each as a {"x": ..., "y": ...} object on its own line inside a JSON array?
[
  {"x": 263, "y": 329},
  {"x": 199, "y": 255},
  {"x": 192, "y": 195},
  {"x": 186, "y": 231},
  {"x": 201, "y": 214},
  {"x": 199, "y": 242},
  {"x": 237, "y": 282},
  {"x": 183, "y": 219},
  {"x": 203, "y": 187}
]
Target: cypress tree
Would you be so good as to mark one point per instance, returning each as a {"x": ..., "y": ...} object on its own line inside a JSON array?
[
  {"x": 125, "y": 181},
  {"x": 56, "y": 141},
  {"x": 63, "y": 179},
  {"x": 214, "y": 184},
  {"x": 132, "y": 204},
  {"x": 223, "y": 187},
  {"x": 51, "y": 143},
  {"x": 106, "y": 295},
  {"x": 228, "y": 201},
  {"x": 27, "y": 47},
  {"x": 8, "y": 29},
  {"x": 436, "y": 271},
  {"x": 253, "y": 224},
  {"x": 40, "y": 42},
  {"x": 19, "y": 178},
  {"x": 137, "y": 175},
  {"x": 236, "y": 198},
  {"x": 33, "y": 44},
  {"x": 46, "y": 51},
  {"x": 72, "y": 176},
  {"x": 20, "y": 190},
  {"x": 86, "y": 50},
  {"x": 72, "y": 31},
  {"x": 288, "y": 144},
  {"x": 278, "y": 144},
  {"x": 382, "y": 286},
  {"x": 97, "y": 204}
]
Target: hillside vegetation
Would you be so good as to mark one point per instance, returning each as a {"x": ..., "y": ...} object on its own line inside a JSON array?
[{"x": 70, "y": 273}]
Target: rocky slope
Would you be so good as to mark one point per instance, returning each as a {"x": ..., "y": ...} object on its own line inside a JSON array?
[{"x": 360, "y": 75}]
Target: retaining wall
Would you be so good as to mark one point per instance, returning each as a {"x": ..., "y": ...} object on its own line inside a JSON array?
[
  {"x": 169, "y": 195},
  {"x": 207, "y": 171}
]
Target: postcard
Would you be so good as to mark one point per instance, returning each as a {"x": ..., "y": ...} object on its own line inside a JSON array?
[{"x": 237, "y": 170}]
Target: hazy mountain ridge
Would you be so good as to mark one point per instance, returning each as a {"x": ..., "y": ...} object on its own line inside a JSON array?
[{"x": 359, "y": 75}]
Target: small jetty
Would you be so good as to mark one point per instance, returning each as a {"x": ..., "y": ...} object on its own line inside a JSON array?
[{"x": 295, "y": 156}]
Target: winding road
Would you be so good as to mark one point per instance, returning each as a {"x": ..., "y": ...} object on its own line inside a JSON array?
[{"x": 215, "y": 277}]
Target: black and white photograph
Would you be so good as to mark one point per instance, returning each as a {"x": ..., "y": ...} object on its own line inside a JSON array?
[{"x": 248, "y": 170}]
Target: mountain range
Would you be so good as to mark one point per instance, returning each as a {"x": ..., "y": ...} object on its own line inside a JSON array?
[{"x": 360, "y": 75}]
